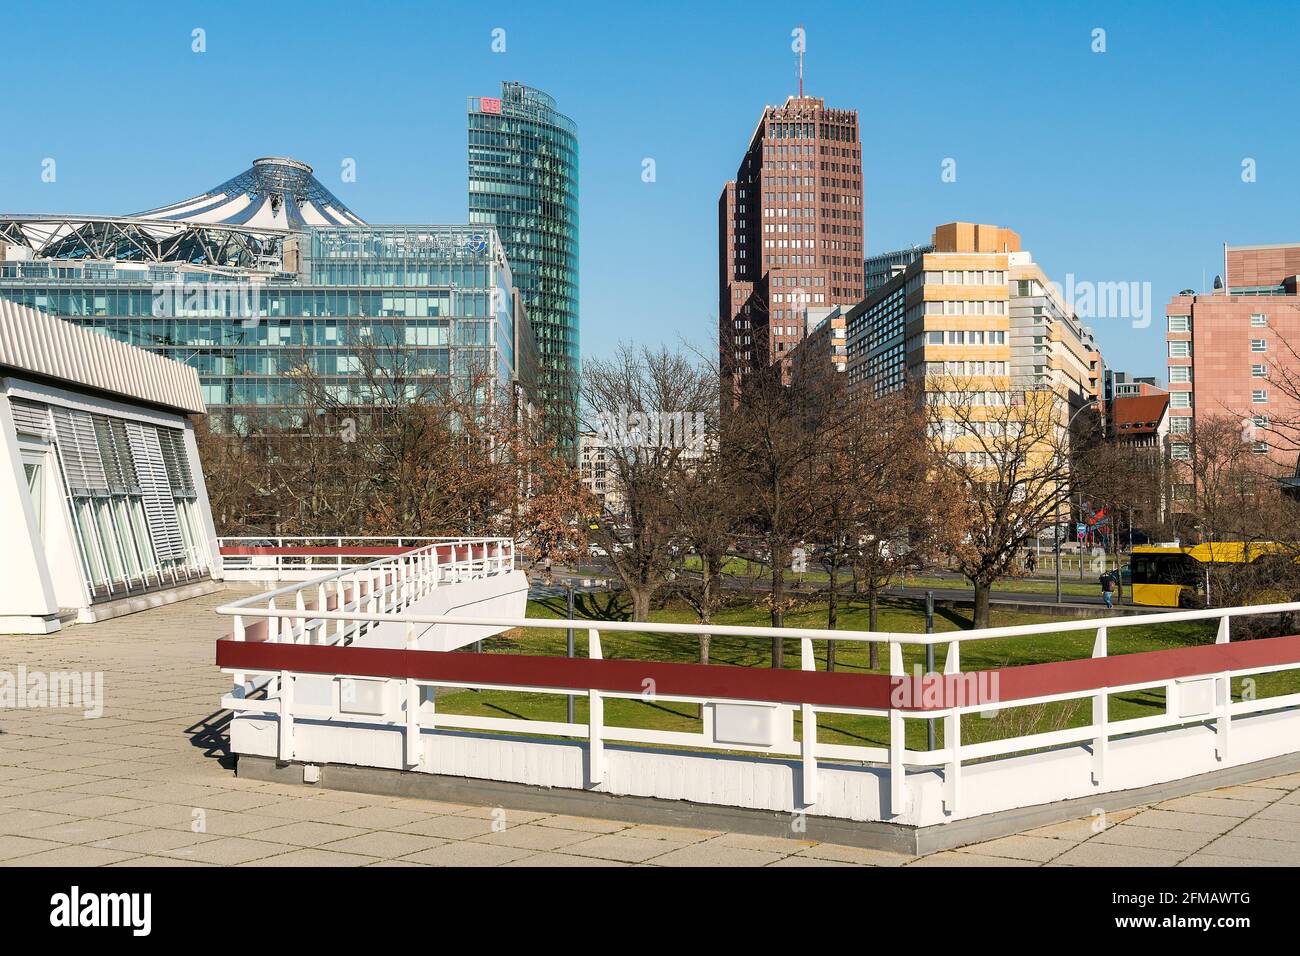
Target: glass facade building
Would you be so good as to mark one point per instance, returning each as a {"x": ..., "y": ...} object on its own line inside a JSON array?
[
  {"x": 441, "y": 299},
  {"x": 523, "y": 182}
]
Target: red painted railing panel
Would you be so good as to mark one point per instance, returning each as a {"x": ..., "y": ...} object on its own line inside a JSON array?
[
  {"x": 876, "y": 691},
  {"x": 628, "y": 676},
  {"x": 1040, "y": 680}
]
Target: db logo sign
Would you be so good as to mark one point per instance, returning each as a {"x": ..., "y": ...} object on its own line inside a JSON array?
[{"x": 489, "y": 104}]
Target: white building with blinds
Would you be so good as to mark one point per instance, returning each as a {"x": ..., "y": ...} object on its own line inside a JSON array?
[{"x": 101, "y": 494}]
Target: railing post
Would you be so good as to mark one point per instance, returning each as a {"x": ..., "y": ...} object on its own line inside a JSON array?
[
  {"x": 595, "y": 719},
  {"x": 1223, "y": 724},
  {"x": 952, "y": 734},
  {"x": 374, "y": 599},
  {"x": 568, "y": 646},
  {"x": 413, "y": 755},
  {"x": 285, "y": 750},
  {"x": 929, "y": 663},
  {"x": 808, "y": 718},
  {"x": 1225, "y": 635},
  {"x": 1100, "y": 716},
  {"x": 238, "y": 677},
  {"x": 343, "y": 602},
  {"x": 897, "y": 740}
]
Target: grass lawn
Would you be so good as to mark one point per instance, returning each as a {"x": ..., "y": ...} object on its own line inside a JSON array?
[
  {"x": 850, "y": 656},
  {"x": 1070, "y": 584}
]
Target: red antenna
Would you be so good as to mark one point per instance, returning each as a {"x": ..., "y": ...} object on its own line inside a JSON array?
[{"x": 803, "y": 41}]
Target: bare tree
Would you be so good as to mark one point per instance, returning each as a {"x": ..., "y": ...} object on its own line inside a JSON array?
[
  {"x": 705, "y": 514},
  {"x": 902, "y": 512},
  {"x": 1131, "y": 482},
  {"x": 1236, "y": 502},
  {"x": 650, "y": 408},
  {"x": 391, "y": 447},
  {"x": 773, "y": 443},
  {"x": 1006, "y": 453}
]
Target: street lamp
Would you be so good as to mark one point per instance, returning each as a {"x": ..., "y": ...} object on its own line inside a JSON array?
[{"x": 1056, "y": 530}]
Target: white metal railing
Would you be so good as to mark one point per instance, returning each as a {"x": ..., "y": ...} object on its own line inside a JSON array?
[
  {"x": 301, "y": 558},
  {"x": 359, "y": 597},
  {"x": 392, "y": 584}
]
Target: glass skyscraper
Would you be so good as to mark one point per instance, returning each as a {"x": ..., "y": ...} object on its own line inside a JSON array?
[
  {"x": 523, "y": 182},
  {"x": 269, "y": 275}
]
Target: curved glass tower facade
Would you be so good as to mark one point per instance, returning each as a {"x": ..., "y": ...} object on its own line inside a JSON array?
[{"x": 523, "y": 181}]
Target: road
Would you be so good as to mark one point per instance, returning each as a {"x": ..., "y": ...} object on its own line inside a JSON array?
[{"x": 598, "y": 580}]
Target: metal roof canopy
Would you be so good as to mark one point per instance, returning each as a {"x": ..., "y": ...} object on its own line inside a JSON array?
[{"x": 39, "y": 344}]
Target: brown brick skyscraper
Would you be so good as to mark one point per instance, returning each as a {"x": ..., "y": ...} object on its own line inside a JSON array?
[{"x": 789, "y": 231}]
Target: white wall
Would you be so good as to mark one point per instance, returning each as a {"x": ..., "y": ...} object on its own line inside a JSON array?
[
  {"x": 847, "y": 791},
  {"x": 26, "y": 592}
]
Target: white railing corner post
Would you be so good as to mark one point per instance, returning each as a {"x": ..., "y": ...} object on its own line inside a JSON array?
[
  {"x": 286, "y": 749},
  {"x": 897, "y": 767},
  {"x": 898, "y": 795},
  {"x": 952, "y": 772},
  {"x": 808, "y": 743},
  {"x": 595, "y": 718},
  {"x": 1223, "y": 724},
  {"x": 595, "y": 737},
  {"x": 1100, "y": 714},
  {"x": 952, "y": 733}
]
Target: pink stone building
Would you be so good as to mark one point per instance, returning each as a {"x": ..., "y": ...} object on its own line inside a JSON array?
[{"x": 1228, "y": 351}]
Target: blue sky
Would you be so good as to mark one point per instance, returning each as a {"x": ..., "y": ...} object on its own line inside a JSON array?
[{"x": 1122, "y": 166}]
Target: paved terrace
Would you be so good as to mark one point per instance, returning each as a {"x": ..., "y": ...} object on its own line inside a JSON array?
[{"x": 149, "y": 784}]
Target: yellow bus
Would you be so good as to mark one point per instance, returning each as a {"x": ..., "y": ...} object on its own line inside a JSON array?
[{"x": 1172, "y": 576}]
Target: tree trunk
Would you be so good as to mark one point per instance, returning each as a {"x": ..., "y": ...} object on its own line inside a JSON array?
[
  {"x": 640, "y": 604},
  {"x": 873, "y": 613},
  {"x": 833, "y": 607},
  {"x": 832, "y": 615},
  {"x": 981, "y": 604},
  {"x": 778, "y": 607},
  {"x": 706, "y": 603}
]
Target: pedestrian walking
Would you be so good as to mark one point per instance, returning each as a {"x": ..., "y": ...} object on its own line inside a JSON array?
[
  {"x": 1031, "y": 561},
  {"x": 1108, "y": 589}
]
